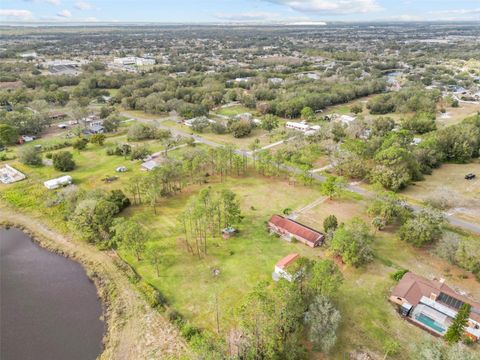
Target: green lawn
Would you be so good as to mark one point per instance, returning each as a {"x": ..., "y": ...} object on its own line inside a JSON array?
[
  {"x": 226, "y": 139},
  {"x": 112, "y": 92},
  {"x": 368, "y": 320},
  {"x": 235, "y": 110},
  {"x": 243, "y": 260}
]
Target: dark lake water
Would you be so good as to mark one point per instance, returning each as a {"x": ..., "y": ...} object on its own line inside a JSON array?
[{"x": 49, "y": 309}]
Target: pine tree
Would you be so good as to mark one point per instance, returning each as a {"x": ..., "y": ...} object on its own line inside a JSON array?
[{"x": 455, "y": 332}]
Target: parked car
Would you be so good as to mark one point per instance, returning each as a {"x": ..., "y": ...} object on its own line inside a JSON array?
[{"x": 470, "y": 176}]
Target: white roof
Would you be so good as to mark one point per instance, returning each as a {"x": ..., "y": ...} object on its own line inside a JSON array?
[
  {"x": 150, "y": 164},
  {"x": 297, "y": 125},
  {"x": 58, "y": 181},
  {"x": 346, "y": 119}
]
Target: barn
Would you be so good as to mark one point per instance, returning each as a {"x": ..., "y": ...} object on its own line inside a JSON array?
[{"x": 289, "y": 229}]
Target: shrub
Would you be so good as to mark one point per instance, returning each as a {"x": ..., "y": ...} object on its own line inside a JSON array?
[
  {"x": 63, "y": 161},
  {"x": 352, "y": 241},
  {"x": 420, "y": 123},
  {"x": 30, "y": 155},
  {"x": 80, "y": 144},
  {"x": 151, "y": 294},
  {"x": 398, "y": 275},
  {"x": 424, "y": 228},
  {"x": 241, "y": 128},
  {"x": 330, "y": 223},
  {"x": 139, "y": 153},
  {"x": 189, "y": 331},
  {"x": 174, "y": 316},
  {"x": 119, "y": 199},
  {"x": 98, "y": 139},
  {"x": 140, "y": 131}
]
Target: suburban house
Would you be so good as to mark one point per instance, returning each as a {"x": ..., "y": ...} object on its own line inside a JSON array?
[
  {"x": 58, "y": 182},
  {"x": 432, "y": 305},
  {"x": 298, "y": 126},
  {"x": 303, "y": 127},
  {"x": 281, "y": 268},
  {"x": 289, "y": 229}
]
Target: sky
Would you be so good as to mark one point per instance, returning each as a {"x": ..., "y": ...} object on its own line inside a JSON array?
[{"x": 233, "y": 11}]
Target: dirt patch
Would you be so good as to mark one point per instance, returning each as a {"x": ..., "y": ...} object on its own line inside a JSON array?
[{"x": 134, "y": 329}]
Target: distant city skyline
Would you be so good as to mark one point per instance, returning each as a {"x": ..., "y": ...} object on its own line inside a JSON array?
[{"x": 233, "y": 11}]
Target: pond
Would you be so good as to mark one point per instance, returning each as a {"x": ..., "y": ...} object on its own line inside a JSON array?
[{"x": 49, "y": 308}]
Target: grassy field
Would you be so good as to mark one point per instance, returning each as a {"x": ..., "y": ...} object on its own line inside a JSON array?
[
  {"x": 456, "y": 115},
  {"x": 226, "y": 139},
  {"x": 344, "y": 109},
  {"x": 93, "y": 165},
  {"x": 243, "y": 260},
  {"x": 368, "y": 320},
  {"x": 461, "y": 196},
  {"x": 235, "y": 110},
  {"x": 141, "y": 114},
  {"x": 112, "y": 92}
]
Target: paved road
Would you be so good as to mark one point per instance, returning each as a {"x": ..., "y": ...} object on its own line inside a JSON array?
[{"x": 471, "y": 227}]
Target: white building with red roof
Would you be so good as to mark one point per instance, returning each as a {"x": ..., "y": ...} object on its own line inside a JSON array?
[{"x": 281, "y": 268}]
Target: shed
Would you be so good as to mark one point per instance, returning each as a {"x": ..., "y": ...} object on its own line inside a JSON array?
[
  {"x": 281, "y": 268},
  {"x": 58, "y": 182},
  {"x": 228, "y": 232}
]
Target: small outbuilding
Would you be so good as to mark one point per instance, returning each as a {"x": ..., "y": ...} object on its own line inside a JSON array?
[
  {"x": 228, "y": 232},
  {"x": 58, "y": 182},
  {"x": 281, "y": 268}
]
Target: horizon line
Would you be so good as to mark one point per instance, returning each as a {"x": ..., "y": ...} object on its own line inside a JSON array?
[{"x": 225, "y": 23}]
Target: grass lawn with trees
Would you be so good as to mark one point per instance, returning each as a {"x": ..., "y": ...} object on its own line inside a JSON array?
[
  {"x": 188, "y": 283},
  {"x": 235, "y": 110},
  {"x": 225, "y": 139},
  {"x": 448, "y": 187}
]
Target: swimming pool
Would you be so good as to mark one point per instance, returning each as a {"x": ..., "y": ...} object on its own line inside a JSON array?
[{"x": 424, "y": 319}]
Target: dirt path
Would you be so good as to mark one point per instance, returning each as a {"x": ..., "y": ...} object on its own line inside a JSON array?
[{"x": 134, "y": 329}]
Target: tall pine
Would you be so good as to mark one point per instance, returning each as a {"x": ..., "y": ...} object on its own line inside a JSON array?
[{"x": 455, "y": 332}]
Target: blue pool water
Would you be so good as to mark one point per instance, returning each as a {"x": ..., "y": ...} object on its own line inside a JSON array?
[{"x": 430, "y": 323}]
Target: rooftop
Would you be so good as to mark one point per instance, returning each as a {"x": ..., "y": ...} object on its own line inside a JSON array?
[
  {"x": 413, "y": 288},
  {"x": 287, "y": 260},
  {"x": 296, "y": 228}
]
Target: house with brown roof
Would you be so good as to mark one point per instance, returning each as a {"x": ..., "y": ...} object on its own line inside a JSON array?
[
  {"x": 289, "y": 229},
  {"x": 281, "y": 268},
  {"x": 432, "y": 305}
]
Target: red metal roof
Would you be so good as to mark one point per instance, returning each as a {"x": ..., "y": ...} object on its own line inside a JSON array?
[
  {"x": 295, "y": 228},
  {"x": 287, "y": 260}
]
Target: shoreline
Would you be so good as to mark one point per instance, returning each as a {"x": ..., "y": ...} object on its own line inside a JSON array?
[
  {"x": 50, "y": 246},
  {"x": 133, "y": 330}
]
